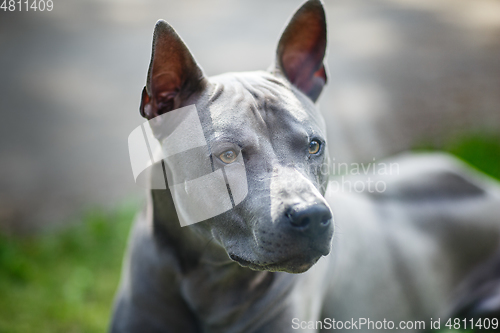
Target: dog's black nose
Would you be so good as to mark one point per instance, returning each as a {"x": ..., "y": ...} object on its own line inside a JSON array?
[{"x": 312, "y": 217}]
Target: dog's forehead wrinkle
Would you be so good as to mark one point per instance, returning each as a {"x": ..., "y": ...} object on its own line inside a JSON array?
[
  {"x": 255, "y": 101},
  {"x": 216, "y": 92},
  {"x": 262, "y": 86},
  {"x": 230, "y": 102}
]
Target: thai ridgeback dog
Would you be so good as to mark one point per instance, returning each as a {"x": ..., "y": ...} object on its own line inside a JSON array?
[{"x": 296, "y": 253}]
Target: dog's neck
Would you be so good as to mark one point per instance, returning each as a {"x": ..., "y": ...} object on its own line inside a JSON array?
[
  {"x": 207, "y": 269},
  {"x": 194, "y": 247},
  {"x": 189, "y": 248}
]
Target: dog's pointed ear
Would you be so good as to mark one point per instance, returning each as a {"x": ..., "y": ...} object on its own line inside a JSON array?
[
  {"x": 302, "y": 47},
  {"x": 173, "y": 73}
]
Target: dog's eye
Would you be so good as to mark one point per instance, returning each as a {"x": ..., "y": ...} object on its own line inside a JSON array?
[
  {"x": 314, "y": 147},
  {"x": 228, "y": 156}
]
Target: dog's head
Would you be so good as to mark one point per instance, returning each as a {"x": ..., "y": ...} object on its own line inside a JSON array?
[{"x": 268, "y": 122}]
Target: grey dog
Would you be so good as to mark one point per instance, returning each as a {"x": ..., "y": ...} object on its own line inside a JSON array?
[{"x": 273, "y": 263}]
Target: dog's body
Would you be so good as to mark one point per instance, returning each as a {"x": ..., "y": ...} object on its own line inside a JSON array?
[{"x": 396, "y": 255}]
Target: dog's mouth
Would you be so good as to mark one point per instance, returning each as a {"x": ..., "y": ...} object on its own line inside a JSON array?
[
  {"x": 298, "y": 264},
  {"x": 240, "y": 260}
]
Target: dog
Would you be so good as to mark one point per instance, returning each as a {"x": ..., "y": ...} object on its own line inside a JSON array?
[{"x": 295, "y": 254}]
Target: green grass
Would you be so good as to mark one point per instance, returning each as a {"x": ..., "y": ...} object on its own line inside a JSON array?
[
  {"x": 63, "y": 281},
  {"x": 480, "y": 150}
]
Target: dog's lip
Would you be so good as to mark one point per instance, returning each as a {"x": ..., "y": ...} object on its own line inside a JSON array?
[
  {"x": 273, "y": 265},
  {"x": 240, "y": 260}
]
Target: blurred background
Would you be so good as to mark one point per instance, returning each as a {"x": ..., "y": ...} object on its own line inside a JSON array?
[{"x": 403, "y": 74}]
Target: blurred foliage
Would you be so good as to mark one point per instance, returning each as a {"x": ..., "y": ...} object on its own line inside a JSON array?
[
  {"x": 480, "y": 150},
  {"x": 63, "y": 281}
]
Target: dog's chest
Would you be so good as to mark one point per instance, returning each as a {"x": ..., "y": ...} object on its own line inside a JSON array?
[{"x": 234, "y": 299}]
